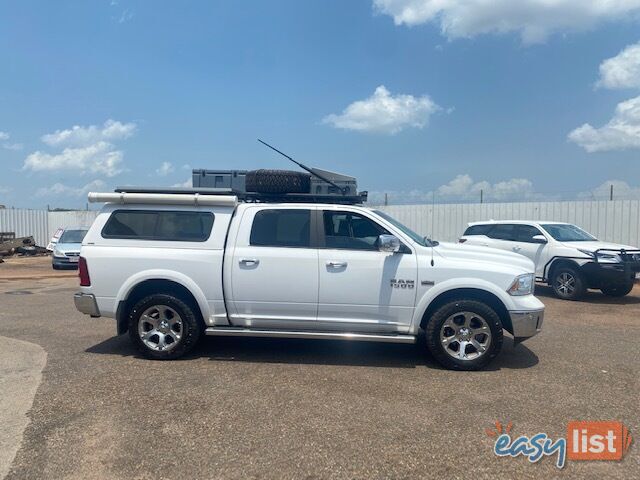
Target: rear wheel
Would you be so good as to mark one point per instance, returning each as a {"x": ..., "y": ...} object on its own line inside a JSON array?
[
  {"x": 619, "y": 290},
  {"x": 163, "y": 327},
  {"x": 568, "y": 283},
  {"x": 464, "y": 335}
]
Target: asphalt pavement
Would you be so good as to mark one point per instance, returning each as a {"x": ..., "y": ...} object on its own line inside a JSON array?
[{"x": 274, "y": 408}]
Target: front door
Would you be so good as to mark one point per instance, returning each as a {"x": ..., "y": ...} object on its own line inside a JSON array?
[
  {"x": 361, "y": 288},
  {"x": 274, "y": 271}
]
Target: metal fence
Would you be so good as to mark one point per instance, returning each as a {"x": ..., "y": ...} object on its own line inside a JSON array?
[
  {"x": 42, "y": 224},
  {"x": 615, "y": 221}
]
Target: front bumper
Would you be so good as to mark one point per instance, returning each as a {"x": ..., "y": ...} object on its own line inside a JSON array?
[
  {"x": 599, "y": 274},
  {"x": 86, "y": 303},
  {"x": 526, "y": 324}
]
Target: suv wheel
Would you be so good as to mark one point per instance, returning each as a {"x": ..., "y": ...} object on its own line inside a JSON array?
[
  {"x": 568, "y": 284},
  {"x": 464, "y": 335},
  {"x": 163, "y": 327},
  {"x": 619, "y": 290}
]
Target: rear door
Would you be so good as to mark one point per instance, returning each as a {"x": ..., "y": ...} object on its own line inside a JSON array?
[
  {"x": 274, "y": 270},
  {"x": 361, "y": 288},
  {"x": 502, "y": 236}
]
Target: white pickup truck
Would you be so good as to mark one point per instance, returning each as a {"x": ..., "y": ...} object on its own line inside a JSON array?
[{"x": 171, "y": 267}]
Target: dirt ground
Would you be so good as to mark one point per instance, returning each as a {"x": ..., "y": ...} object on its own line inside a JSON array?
[
  {"x": 275, "y": 408},
  {"x": 25, "y": 268}
]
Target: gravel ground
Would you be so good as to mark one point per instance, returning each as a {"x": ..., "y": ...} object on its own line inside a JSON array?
[{"x": 269, "y": 408}]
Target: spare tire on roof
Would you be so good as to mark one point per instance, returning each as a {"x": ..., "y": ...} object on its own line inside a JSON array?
[{"x": 277, "y": 181}]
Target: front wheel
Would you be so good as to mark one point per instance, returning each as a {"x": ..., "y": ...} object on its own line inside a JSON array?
[
  {"x": 163, "y": 327},
  {"x": 464, "y": 335},
  {"x": 568, "y": 284},
  {"x": 619, "y": 290}
]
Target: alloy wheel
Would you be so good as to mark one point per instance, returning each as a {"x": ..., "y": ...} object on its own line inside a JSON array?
[
  {"x": 160, "y": 328},
  {"x": 465, "y": 336}
]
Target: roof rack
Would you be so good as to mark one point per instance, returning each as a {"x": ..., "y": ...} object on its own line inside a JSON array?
[{"x": 249, "y": 197}]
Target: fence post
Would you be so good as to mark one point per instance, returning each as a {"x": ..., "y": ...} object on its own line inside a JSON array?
[{"x": 611, "y": 193}]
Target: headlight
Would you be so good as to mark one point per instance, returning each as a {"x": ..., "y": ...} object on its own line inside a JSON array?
[
  {"x": 603, "y": 257},
  {"x": 523, "y": 285},
  {"x": 57, "y": 253}
]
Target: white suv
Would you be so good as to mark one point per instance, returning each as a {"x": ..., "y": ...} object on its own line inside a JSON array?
[{"x": 566, "y": 257}]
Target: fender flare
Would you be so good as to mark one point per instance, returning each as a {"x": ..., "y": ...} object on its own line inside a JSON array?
[
  {"x": 171, "y": 275},
  {"x": 457, "y": 284}
]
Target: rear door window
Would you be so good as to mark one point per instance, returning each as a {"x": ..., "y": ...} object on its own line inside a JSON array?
[
  {"x": 503, "y": 231},
  {"x": 176, "y": 226},
  {"x": 281, "y": 228},
  {"x": 477, "y": 230}
]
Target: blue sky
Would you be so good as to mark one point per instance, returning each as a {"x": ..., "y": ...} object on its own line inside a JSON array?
[{"x": 410, "y": 96}]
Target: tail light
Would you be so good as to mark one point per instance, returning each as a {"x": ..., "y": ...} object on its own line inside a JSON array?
[
  {"x": 83, "y": 273},
  {"x": 462, "y": 240}
]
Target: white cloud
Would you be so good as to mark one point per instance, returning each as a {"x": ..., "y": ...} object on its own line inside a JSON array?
[
  {"x": 384, "y": 113},
  {"x": 621, "y": 191},
  {"x": 4, "y": 190},
  {"x": 58, "y": 189},
  {"x": 4, "y": 136},
  {"x": 12, "y": 146},
  {"x": 97, "y": 158},
  {"x": 623, "y": 70},
  {"x": 463, "y": 188},
  {"x": 86, "y": 149},
  {"x": 534, "y": 20},
  {"x": 83, "y": 136},
  {"x": 165, "y": 169},
  {"x": 186, "y": 184},
  {"x": 622, "y": 132}
]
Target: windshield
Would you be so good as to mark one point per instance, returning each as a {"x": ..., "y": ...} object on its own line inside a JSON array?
[
  {"x": 564, "y": 232},
  {"x": 419, "y": 239},
  {"x": 72, "y": 236}
]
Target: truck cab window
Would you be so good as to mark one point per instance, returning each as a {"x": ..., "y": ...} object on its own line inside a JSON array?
[
  {"x": 281, "y": 228},
  {"x": 346, "y": 230}
]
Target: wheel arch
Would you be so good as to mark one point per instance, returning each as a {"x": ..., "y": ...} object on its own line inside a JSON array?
[
  {"x": 560, "y": 262},
  {"x": 469, "y": 294},
  {"x": 158, "y": 285}
]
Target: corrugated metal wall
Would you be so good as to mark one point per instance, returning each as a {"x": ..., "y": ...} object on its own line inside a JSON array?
[
  {"x": 41, "y": 224},
  {"x": 616, "y": 221}
]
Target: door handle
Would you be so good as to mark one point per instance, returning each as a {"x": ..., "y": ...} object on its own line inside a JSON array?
[
  {"x": 517, "y": 248},
  {"x": 334, "y": 264},
  {"x": 249, "y": 261}
]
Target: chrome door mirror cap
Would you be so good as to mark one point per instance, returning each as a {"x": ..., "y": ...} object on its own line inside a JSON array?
[{"x": 388, "y": 243}]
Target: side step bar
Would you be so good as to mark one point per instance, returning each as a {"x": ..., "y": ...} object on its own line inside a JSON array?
[{"x": 363, "y": 337}]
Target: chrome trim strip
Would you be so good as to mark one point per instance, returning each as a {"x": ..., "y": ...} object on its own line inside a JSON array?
[{"x": 254, "y": 332}]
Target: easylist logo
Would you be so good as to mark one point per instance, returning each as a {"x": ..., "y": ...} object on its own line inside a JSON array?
[
  {"x": 585, "y": 441},
  {"x": 597, "y": 440}
]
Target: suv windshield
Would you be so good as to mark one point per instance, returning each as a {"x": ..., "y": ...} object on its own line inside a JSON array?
[
  {"x": 406, "y": 230},
  {"x": 564, "y": 232},
  {"x": 72, "y": 236}
]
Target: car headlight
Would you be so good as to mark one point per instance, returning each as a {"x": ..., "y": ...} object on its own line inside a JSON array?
[
  {"x": 603, "y": 257},
  {"x": 523, "y": 285},
  {"x": 57, "y": 253}
]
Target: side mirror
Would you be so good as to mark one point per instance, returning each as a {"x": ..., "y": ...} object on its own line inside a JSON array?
[
  {"x": 539, "y": 239},
  {"x": 388, "y": 243}
]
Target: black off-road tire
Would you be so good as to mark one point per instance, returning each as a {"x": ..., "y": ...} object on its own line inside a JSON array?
[
  {"x": 277, "y": 181},
  {"x": 192, "y": 326},
  {"x": 563, "y": 274},
  {"x": 618, "y": 290},
  {"x": 435, "y": 325}
]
